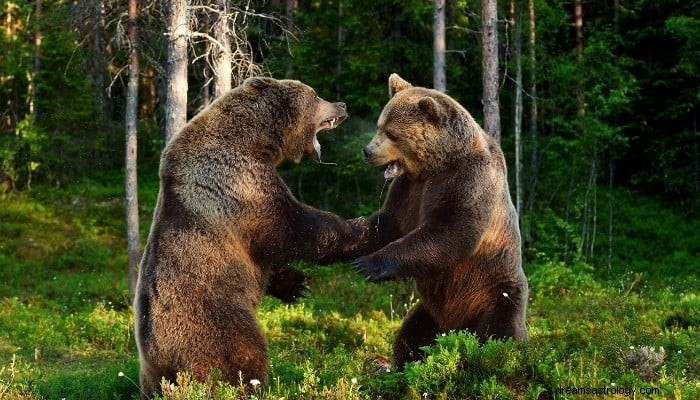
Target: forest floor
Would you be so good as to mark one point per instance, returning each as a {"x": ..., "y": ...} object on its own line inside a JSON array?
[{"x": 628, "y": 329}]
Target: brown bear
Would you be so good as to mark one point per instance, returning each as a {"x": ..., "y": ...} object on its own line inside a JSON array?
[
  {"x": 448, "y": 222},
  {"x": 225, "y": 228}
]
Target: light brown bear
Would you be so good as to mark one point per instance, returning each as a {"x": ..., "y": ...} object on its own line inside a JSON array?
[
  {"x": 226, "y": 227},
  {"x": 448, "y": 222}
]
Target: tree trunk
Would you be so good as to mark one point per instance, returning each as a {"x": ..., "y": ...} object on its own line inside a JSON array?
[
  {"x": 439, "y": 80},
  {"x": 176, "y": 70},
  {"x": 290, "y": 7},
  {"x": 133, "y": 241},
  {"x": 489, "y": 62},
  {"x": 222, "y": 51},
  {"x": 339, "y": 63},
  {"x": 578, "y": 17},
  {"x": 33, "y": 86},
  {"x": 517, "y": 59},
  {"x": 99, "y": 60},
  {"x": 533, "y": 105},
  {"x": 589, "y": 220},
  {"x": 36, "y": 67}
]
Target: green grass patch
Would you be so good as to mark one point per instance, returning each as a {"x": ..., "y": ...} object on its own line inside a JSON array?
[{"x": 631, "y": 321}]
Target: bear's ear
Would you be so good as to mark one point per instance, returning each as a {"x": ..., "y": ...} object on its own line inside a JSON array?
[
  {"x": 397, "y": 84},
  {"x": 255, "y": 84},
  {"x": 430, "y": 108}
]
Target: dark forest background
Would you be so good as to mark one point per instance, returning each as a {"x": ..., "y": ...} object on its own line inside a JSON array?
[{"x": 617, "y": 105}]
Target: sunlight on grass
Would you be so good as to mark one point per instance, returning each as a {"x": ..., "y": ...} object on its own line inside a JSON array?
[{"x": 66, "y": 328}]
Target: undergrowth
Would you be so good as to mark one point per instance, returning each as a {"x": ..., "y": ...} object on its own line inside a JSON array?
[{"x": 624, "y": 322}]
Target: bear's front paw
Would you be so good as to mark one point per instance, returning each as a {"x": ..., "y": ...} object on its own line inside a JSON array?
[
  {"x": 374, "y": 269},
  {"x": 288, "y": 284}
]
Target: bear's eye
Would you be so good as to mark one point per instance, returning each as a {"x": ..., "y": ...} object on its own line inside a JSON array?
[{"x": 390, "y": 135}]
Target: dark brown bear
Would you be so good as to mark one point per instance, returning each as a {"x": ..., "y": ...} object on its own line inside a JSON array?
[
  {"x": 448, "y": 222},
  {"x": 225, "y": 224}
]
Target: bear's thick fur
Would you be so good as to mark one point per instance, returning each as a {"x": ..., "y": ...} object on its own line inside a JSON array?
[
  {"x": 448, "y": 222},
  {"x": 225, "y": 229}
]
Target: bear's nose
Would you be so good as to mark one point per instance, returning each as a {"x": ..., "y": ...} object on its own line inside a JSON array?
[
  {"x": 368, "y": 153},
  {"x": 341, "y": 105}
]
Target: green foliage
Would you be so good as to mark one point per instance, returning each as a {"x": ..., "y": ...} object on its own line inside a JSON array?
[{"x": 67, "y": 326}]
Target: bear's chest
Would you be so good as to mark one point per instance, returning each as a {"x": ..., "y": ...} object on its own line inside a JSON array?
[{"x": 413, "y": 209}]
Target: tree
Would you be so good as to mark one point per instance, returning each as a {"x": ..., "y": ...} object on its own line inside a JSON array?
[
  {"x": 222, "y": 52},
  {"x": 439, "y": 81},
  {"x": 133, "y": 241},
  {"x": 578, "y": 22},
  {"x": 29, "y": 130},
  {"x": 532, "y": 55},
  {"x": 516, "y": 22},
  {"x": 489, "y": 62},
  {"x": 176, "y": 67},
  {"x": 99, "y": 63},
  {"x": 290, "y": 7},
  {"x": 36, "y": 67}
]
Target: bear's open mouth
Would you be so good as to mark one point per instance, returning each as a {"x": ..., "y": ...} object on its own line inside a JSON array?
[
  {"x": 327, "y": 124},
  {"x": 330, "y": 123},
  {"x": 393, "y": 170}
]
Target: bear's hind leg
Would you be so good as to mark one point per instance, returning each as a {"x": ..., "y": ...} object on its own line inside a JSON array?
[
  {"x": 503, "y": 323},
  {"x": 418, "y": 330},
  {"x": 237, "y": 350},
  {"x": 149, "y": 380}
]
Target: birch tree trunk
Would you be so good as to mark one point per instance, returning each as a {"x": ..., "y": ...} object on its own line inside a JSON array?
[
  {"x": 133, "y": 241},
  {"x": 518, "y": 109},
  {"x": 222, "y": 51},
  {"x": 439, "y": 80},
  {"x": 489, "y": 62},
  {"x": 176, "y": 68}
]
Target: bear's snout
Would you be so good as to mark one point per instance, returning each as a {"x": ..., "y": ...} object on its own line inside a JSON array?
[
  {"x": 341, "y": 105},
  {"x": 367, "y": 153}
]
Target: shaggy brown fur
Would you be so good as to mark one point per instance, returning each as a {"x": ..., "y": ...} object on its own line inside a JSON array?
[
  {"x": 448, "y": 222},
  {"x": 225, "y": 225}
]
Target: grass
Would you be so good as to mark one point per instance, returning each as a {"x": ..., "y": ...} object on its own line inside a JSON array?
[{"x": 66, "y": 326}]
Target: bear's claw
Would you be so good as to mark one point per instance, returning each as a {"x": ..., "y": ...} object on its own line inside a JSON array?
[
  {"x": 374, "y": 271},
  {"x": 288, "y": 284}
]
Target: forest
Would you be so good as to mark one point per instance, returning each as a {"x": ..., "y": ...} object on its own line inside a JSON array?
[{"x": 597, "y": 111}]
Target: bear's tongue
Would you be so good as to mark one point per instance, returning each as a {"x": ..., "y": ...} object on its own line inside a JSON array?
[{"x": 392, "y": 170}]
